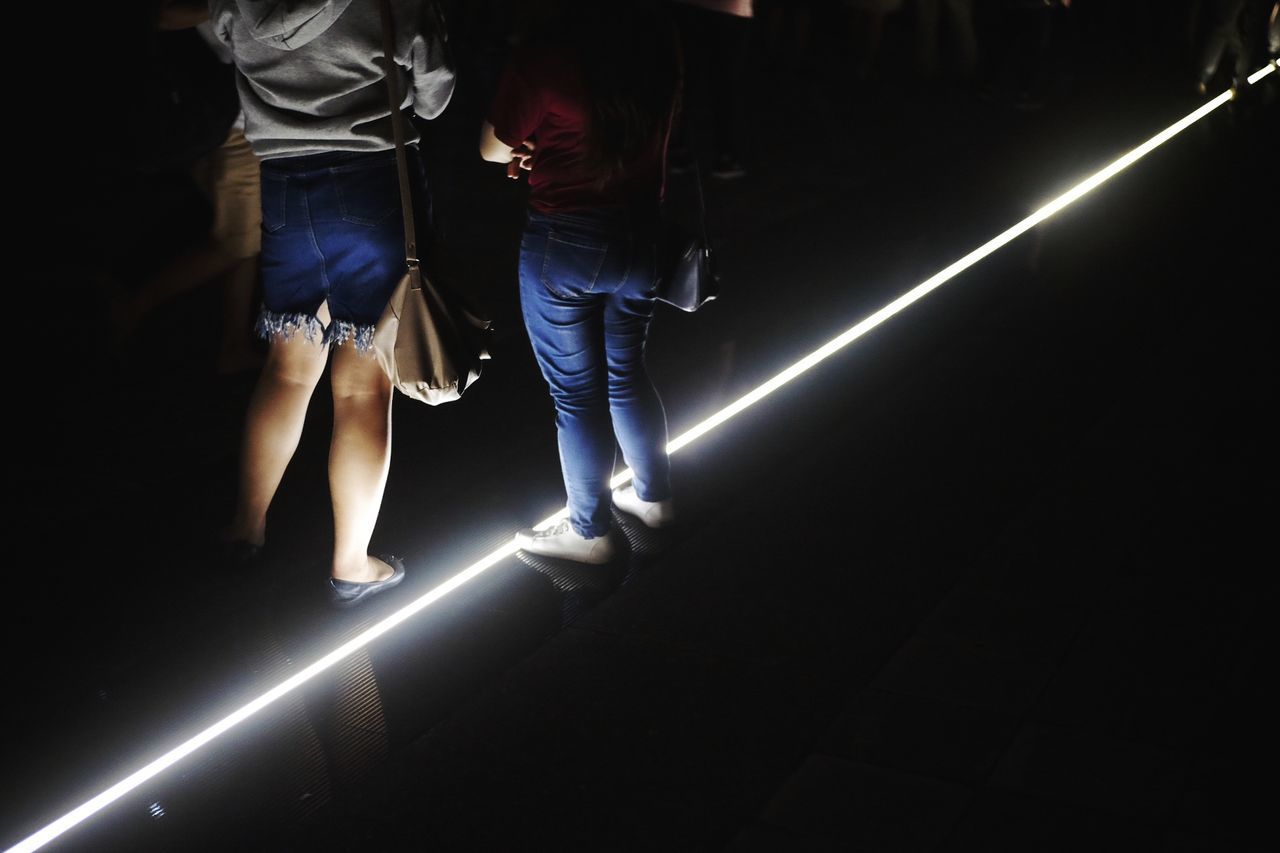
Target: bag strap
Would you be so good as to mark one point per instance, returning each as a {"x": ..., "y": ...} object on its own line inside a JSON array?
[
  {"x": 702, "y": 207},
  {"x": 398, "y": 131},
  {"x": 697, "y": 168}
]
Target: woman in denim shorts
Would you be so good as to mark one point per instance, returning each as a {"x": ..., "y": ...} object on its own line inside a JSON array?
[
  {"x": 312, "y": 80},
  {"x": 588, "y": 115}
]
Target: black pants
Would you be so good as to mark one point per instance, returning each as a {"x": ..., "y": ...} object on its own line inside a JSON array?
[
  {"x": 1224, "y": 36},
  {"x": 1019, "y": 58}
]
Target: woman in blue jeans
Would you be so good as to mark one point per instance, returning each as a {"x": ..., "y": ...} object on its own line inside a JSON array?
[
  {"x": 313, "y": 84},
  {"x": 587, "y": 112}
]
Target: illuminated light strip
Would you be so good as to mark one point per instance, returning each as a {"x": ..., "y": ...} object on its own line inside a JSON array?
[
  {"x": 173, "y": 756},
  {"x": 1261, "y": 72},
  {"x": 124, "y": 786}
]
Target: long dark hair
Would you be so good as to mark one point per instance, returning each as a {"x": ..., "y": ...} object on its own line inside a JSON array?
[{"x": 630, "y": 58}]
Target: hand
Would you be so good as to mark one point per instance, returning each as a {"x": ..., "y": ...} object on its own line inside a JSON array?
[{"x": 521, "y": 159}]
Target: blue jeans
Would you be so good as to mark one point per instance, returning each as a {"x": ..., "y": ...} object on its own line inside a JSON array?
[
  {"x": 332, "y": 231},
  {"x": 587, "y": 282}
]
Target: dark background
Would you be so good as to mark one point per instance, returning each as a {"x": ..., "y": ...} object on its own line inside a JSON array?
[{"x": 995, "y": 578}]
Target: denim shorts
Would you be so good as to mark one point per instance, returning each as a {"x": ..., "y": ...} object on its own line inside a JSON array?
[{"x": 332, "y": 231}]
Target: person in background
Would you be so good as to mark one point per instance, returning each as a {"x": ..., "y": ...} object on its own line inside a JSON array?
[
  {"x": 1224, "y": 39},
  {"x": 228, "y": 177},
  {"x": 959, "y": 15},
  {"x": 1020, "y": 61},
  {"x": 788, "y": 32},
  {"x": 867, "y": 19},
  {"x": 716, "y": 35},
  {"x": 1273, "y": 31},
  {"x": 587, "y": 112}
]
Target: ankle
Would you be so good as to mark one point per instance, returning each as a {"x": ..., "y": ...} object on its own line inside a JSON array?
[{"x": 360, "y": 569}]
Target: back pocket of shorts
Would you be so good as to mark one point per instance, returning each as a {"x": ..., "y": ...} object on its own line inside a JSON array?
[{"x": 367, "y": 194}]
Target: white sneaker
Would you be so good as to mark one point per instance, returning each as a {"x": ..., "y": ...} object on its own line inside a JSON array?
[
  {"x": 650, "y": 513},
  {"x": 562, "y": 541}
]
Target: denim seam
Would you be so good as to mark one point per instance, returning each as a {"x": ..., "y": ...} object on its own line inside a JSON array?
[
  {"x": 315, "y": 244},
  {"x": 546, "y": 266},
  {"x": 631, "y": 262}
]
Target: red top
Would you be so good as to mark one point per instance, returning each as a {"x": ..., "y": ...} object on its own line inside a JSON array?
[{"x": 543, "y": 97}]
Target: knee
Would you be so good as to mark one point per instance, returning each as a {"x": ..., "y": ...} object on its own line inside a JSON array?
[
  {"x": 580, "y": 401},
  {"x": 579, "y": 393},
  {"x": 370, "y": 394},
  {"x": 366, "y": 388},
  {"x": 628, "y": 373},
  {"x": 292, "y": 372}
]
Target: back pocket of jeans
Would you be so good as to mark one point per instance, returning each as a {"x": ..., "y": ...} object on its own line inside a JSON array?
[
  {"x": 570, "y": 269},
  {"x": 367, "y": 194}
]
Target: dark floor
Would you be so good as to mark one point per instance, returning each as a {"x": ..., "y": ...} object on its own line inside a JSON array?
[{"x": 994, "y": 578}]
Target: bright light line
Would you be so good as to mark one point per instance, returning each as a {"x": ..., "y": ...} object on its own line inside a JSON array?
[
  {"x": 1261, "y": 72},
  {"x": 173, "y": 756},
  {"x": 938, "y": 279}
]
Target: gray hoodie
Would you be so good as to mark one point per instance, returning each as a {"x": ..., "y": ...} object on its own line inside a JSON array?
[{"x": 310, "y": 76}]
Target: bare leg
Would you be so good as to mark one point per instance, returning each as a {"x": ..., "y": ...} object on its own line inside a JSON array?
[
  {"x": 273, "y": 427},
  {"x": 359, "y": 458}
]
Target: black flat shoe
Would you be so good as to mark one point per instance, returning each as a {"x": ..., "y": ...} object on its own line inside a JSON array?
[{"x": 349, "y": 593}]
